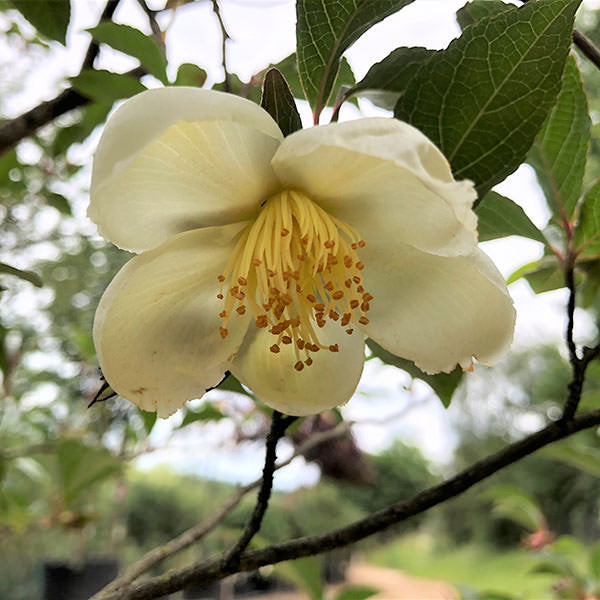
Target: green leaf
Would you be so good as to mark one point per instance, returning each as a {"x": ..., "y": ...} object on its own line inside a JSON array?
[
  {"x": 21, "y": 274},
  {"x": 586, "y": 459},
  {"x": 190, "y": 74},
  {"x": 387, "y": 80},
  {"x": 106, "y": 86},
  {"x": 304, "y": 573},
  {"x": 206, "y": 413},
  {"x": 443, "y": 384},
  {"x": 59, "y": 202},
  {"x": 80, "y": 467},
  {"x": 595, "y": 561},
  {"x": 50, "y": 18},
  {"x": 588, "y": 227},
  {"x": 148, "y": 418},
  {"x": 278, "y": 101},
  {"x": 558, "y": 154},
  {"x": 91, "y": 116},
  {"x": 356, "y": 592},
  {"x": 231, "y": 384},
  {"x": 324, "y": 31},
  {"x": 498, "y": 216},
  {"x": 136, "y": 43},
  {"x": 543, "y": 275},
  {"x": 512, "y": 503},
  {"x": 478, "y": 9},
  {"x": 8, "y": 162},
  {"x": 483, "y": 99}
]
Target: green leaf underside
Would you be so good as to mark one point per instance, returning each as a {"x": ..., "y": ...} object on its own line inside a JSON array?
[
  {"x": 443, "y": 384},
  {"x": 386, "y": 80},
  {"x": 324, "y": 31},
  {"x": 51, "y": 19},
  {"x": 105, "y": 86},
  {"x": 29, "y": 276},
  {"x": 136, "y": 43},
  {"x": 483, "y": 99},
  {"x": 498, "y": 216},
  {"x": 479, "y": 9},
  {"x": 588, "y": 228},
  {"x": 206, "y": 413},
  {"x": 278, "y": 101},
  {"x": 543, "y": 275},
  {"x": 558, "y": 154}
]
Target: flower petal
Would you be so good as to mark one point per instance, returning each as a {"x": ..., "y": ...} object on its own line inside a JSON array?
[
  {"x": 174, "y": 159},
  {"x": 385, "y": 178},
  {"x": 438, "y": 311},
  {"x": 156, "y": 329},
  {"x": 328, "y": 382}
]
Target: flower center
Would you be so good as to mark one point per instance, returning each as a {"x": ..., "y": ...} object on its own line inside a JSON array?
[{"x": 294, "y": 268}]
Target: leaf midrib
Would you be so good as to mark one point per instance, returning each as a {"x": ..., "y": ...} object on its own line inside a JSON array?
[{"x": 496, "y": 91}]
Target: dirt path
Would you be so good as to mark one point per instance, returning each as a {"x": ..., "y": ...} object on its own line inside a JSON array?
[{"x": 394, "y": 585}]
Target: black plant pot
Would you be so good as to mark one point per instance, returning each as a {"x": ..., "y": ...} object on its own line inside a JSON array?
[{"x": 63, "y": 581}]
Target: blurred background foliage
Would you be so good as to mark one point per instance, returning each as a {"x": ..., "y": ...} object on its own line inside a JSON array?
[{"x": 69, "y": 485}]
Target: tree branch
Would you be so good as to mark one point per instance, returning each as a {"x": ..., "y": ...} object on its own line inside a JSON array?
[
  {"x": 278, "y": 426},
  {"x": 25, "y": 125},
  {"x": 213, "y": 569},
  {"x": 224, "y": 36},
  {"x": 587, "y": 47}
]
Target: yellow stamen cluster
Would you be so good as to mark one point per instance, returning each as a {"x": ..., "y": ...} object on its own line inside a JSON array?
[{"x": 294, "y": 268}]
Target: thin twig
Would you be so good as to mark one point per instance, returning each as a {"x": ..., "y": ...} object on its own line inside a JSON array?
[
  {"x": 156, "y": 30},
  {"x": 192, "y": 535},
  {"x": 279, "y": 424},
  {"x": 211, "y": 570},
  {"x": 587, "y": 47},
  {"x": 224, "y": 37}
]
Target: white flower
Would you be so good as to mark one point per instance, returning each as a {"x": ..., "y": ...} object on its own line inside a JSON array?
[{"x": 252, "y": 254}]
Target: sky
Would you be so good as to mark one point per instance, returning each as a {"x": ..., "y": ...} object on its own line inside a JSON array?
[{"x": 263, "y": 32}]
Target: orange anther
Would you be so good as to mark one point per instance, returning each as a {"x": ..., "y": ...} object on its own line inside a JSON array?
[
  {"x": 311, "y": 298},
  {"x": 346, "y": 319},
  {"x": 256, "y": 262},
  {"x": 223, "y": 314},
  {"x": 308, "y": 361},
  {"x": 241, "y": 310},
  {"x": 286, "y": 339},
  {"x": 360, "y": 265},
  {"x": 348, "y": 261},
  {"x": 363, "y": 320},
  {"x": 349, "y": 331},
  {"x": 354, "y": 304},
  {"x": 284, "y": 232},
  {"x": 300, "y": 343},
  {"x": 329, "y": 286},
  {"x": 356, "y": 279},
  {"x": 334, "y": 348},
  {"x": 221, "y": 278},
  {"x": 299, "y": 366},
  {"x": 242, "y": 281},
  {"x": 362, "y": 244},
  {"x": 220, "y": 296},
  {"x": 329, "y": 244},
  {"x": 261, "y": 321},
  {"x": 274, "y": 348},
  {"x": 319, "y": 307},
  {"x": 334, "y": 315},
  {"x": 338, "y": 295},
  {"x": 223, "y": 332}
]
